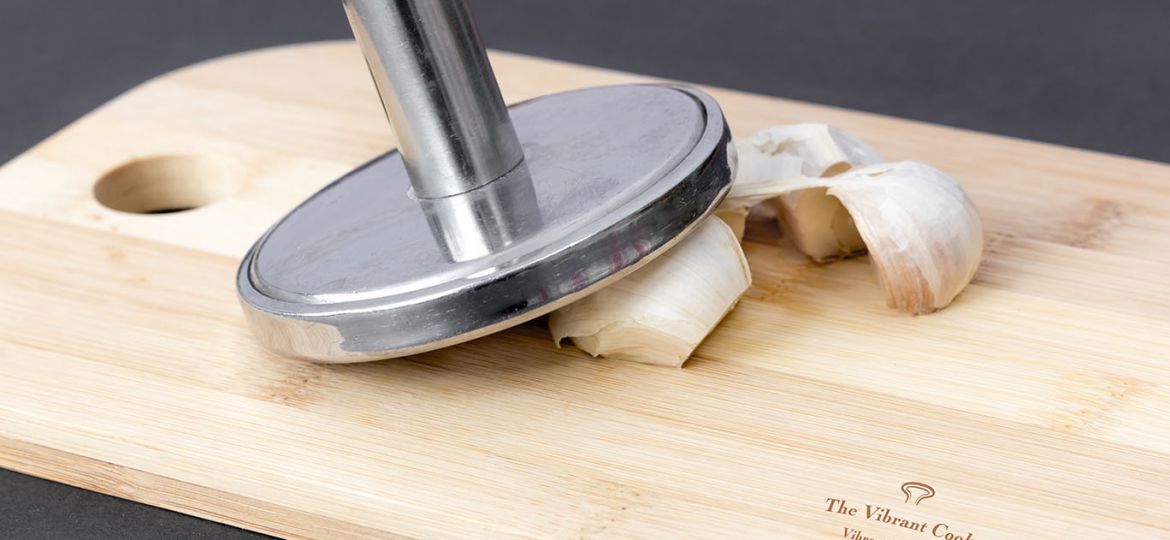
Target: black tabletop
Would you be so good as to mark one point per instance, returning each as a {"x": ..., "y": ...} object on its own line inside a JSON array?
[{"x": 1083, "y": 73}]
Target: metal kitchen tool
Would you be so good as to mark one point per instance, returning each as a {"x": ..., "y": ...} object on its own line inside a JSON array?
[{"x": 485, "y": 216}]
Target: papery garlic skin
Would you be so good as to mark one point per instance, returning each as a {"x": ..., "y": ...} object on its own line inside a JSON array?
[
  {"x": 924, "y": 235},
  {"x": 818, "y": 224},
  {"x": 661, "y": 312},
  {"x": 802, "y": 150}
]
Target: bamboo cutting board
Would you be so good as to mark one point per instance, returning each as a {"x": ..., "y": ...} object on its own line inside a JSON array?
[{"x": 1037, "y": 406}]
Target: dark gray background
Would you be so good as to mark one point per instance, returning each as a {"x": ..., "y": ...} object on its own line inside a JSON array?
[{"x": 1092, "y": 74}]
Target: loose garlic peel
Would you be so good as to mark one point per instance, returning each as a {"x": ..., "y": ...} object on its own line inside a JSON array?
[
  {"x": 661, "y": 312},
  {"x": 923, "y": 233}
]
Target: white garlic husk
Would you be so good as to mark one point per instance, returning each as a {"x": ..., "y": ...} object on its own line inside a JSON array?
[
  {"x": 661, "y": 312},
  {"x": 735, "y": 216}
]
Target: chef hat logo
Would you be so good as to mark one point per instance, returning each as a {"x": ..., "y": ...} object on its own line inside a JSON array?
[{"x": 917, "y": 492}]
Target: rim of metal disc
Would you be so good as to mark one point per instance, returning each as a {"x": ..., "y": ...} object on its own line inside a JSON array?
[{"x": 333, "y": 331}]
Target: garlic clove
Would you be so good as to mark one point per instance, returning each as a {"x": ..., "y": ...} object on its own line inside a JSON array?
[
  {"x": 735, "y": 216},
  {"x": 818, "y": 224},
  {"x": 661, "y": 312},
  {"x": 924, "y": 235}
]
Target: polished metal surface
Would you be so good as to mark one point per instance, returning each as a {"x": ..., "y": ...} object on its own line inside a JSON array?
[
  {"x": 439, "y": 92},
  {"x": 364, "y": 269}
]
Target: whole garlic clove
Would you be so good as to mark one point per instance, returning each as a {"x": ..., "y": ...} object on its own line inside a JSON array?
[
  {"x": 661, "y": 312},
  {"x": 735, "y": 216},
  {"x": 924, "y": 236},
  {"x": 818, "y": 224}
]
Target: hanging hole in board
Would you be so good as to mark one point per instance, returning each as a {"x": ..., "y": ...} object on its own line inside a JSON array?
[{"x": 168, "y": 184}]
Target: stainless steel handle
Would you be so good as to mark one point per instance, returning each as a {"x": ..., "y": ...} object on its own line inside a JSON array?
[{"x": 439, "y": 92}]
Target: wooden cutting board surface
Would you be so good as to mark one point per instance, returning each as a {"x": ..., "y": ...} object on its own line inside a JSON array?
[{"x": 1037, "y": 406}]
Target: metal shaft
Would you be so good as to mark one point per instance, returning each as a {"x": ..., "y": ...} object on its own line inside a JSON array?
[{"x": 439, "y": 92}]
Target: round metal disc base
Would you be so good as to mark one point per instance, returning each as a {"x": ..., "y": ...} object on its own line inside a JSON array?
[{"x": 365, "y": 270}]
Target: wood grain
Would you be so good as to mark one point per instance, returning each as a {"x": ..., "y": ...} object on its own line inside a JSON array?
[{"x": 1037, "y": 406}]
